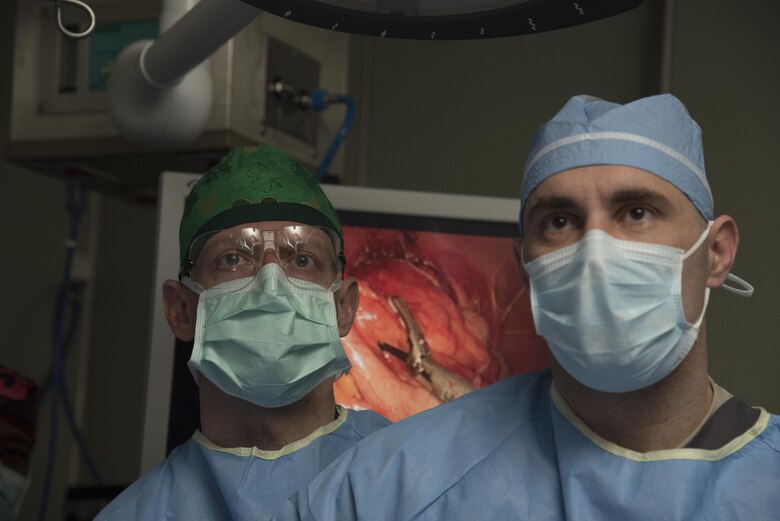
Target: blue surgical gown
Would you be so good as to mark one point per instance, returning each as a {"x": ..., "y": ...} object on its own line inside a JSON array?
[
  {"x": 515, "y": 451},
  {"x": 201, "y": 481}
]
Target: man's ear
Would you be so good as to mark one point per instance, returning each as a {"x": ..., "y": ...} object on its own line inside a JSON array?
[
  {"x": 346, "y": 305},
  {"x": 180, "y": 309},
  {"x": 517, "y": 247},
  {"x": 721, "y": 249}
]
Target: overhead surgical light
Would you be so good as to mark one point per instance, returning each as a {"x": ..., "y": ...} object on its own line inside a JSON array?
[
  {"x": 444, "y": 19},
  {"x": 160, "y": 92}
]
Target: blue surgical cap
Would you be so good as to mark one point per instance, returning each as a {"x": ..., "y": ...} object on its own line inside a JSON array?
[{"x": 655, "y": 134}]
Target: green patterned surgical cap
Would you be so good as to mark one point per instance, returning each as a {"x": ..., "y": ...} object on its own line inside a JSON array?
[{"x": 254, "y": 184}]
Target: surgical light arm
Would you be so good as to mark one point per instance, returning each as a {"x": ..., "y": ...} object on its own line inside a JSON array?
[{"x": 160, "y": 91}]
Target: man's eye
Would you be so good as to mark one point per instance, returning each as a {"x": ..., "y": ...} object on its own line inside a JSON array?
[
  {"x": 231, "y": 260},
  {"x": 558, "y": 223},
  {"x": 303, "y": 261},
  {"x": 637, "y": 214}
]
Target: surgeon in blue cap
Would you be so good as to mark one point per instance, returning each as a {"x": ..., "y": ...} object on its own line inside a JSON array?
[{"x": 620, "y": 248}]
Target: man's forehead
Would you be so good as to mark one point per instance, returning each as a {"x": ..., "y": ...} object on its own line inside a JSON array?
[
  {"x": 603, "y": 180},
  {"x": 255, "y": 229},
  {"x": 261, "y": 225},
  {"x": 252, "y": 232}
]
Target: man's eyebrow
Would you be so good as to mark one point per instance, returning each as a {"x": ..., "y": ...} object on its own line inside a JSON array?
[
  {"x": 552, "y": 202},
  {"x": 640, "y": 195}
]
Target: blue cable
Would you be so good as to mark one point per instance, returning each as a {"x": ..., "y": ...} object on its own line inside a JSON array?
[
  {"x": 90, "y": 464},
  {"x": 70, "y": 333},
  {"x": 76, "y": 206},
  {"x": 320, "y": 101},
  {"x": 66, "y": 401}
]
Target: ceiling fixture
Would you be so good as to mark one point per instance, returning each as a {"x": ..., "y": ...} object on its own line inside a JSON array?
[{"x": 444, "y": 19}]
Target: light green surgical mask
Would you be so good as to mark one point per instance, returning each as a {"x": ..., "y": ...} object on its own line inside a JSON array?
[
  {"x": 267, "y": 339},
  {"x": 13, "y": 487}
]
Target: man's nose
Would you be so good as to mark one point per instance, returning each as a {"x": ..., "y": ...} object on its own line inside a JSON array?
[
  {"x": 270, "y": 256},
  {"x": 598, "y": 221}
]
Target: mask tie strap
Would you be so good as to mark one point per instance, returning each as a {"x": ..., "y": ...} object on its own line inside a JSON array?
[
  {"x": 193, "y": 285},
  {"x": 699, "y": 242},
  {"x": 745, "y": 291},
  {"x": 697, "y": 325}
]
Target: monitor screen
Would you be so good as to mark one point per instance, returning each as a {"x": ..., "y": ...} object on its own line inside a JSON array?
[{"x": 442, "y": 310}]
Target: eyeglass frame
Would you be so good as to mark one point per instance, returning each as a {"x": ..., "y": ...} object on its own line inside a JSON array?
[{"x": 341, "y": 259}]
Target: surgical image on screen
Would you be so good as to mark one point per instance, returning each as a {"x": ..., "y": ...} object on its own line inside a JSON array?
[{"x": 440, "y": 314}]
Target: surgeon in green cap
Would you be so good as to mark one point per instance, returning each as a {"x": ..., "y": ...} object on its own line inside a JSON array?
[{"x": 262, "y": 296}]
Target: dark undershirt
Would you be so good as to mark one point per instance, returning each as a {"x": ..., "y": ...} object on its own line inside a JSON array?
[{"x": 732, "y": 419}]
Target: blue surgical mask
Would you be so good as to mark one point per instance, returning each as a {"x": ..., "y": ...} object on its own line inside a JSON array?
[
  {"x": 13, "y": 487},
  {"x": 611, "y": 310},
  {"x": 267, "y": 339}
]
